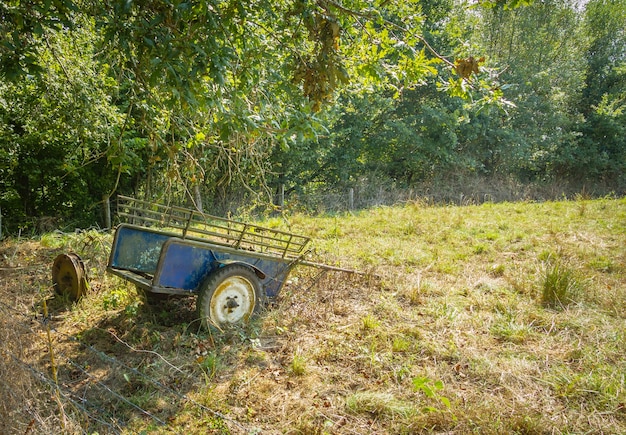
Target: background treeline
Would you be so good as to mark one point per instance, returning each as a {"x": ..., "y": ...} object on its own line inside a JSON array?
[{"x": 219, "y": 103}]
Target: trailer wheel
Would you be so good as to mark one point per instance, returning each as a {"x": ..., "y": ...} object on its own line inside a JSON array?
[
  {"x": 230, "y": 295},
  {"x": 69, "y": 276}
]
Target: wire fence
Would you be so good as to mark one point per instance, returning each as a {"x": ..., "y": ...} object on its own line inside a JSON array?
[
  {"x": 352, "y": 199},
  {"x": 48, "y": 389},
  {"x": 469, "y": 191}
]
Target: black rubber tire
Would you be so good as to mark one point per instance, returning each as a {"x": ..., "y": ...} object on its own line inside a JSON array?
[{"x": 230, "y": 295}]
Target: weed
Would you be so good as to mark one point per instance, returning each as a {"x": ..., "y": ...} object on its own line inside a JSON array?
[
  {"x": 114, "y": 299},
  {"x": 546, "y": 255},
  {"x": 414, "y": 295},
  {"x": 603, "y": 264},
  {"x": 209, "y": 363},
  {"x": 416, "y": 292},
  {"x": 496, "y": 270},
  {"x": 431, "y": 389},
  {"x": 480, "y": 248},
  {"x": 298, "y": 364},
  {"x": 582, "y": 200},
  {"x": 411, "y": 229},
  {"x": 143, "y": 399},
  {"x": 402, "y": 373},
  {"x": 370, "y": 322},
  {"x": 214, "y": 425},
  {"x": 400, "y": 344},
  {"x": 508, "y": 329},
  {"x": 53, "y": 240},
  {"x": 132, "y": 309},
  {"x": 256, "y": 359}
]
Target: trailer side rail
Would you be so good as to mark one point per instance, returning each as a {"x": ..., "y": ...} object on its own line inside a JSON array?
[{"x": 195, "y": 225}]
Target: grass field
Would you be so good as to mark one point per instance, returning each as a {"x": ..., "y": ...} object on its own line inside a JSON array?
[{"x": 491, "y": 319}]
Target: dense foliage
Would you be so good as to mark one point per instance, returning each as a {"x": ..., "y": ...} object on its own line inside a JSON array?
[{"x": 222, "y": 101}]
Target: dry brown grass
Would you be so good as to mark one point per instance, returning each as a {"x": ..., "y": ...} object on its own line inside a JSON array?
[{"x": 26, "y": 403}]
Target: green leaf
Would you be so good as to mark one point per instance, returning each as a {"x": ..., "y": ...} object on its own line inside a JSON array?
[{"x": 445, "y": 401}]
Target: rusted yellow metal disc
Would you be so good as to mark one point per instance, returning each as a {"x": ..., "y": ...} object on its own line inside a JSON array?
[
  {"x": 233, "y": 300},
  {"x": 69, "y": 276}
]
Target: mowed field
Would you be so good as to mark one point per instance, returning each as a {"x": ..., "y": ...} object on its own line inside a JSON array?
[{"x": 482, "y": 319}]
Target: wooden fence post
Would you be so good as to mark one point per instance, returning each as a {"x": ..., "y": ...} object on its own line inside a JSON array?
[
  {"x": 107, "y": 212},
  {"x": 197, "y": 197},
  {"x": 281, "y": 195},
  {"x": 351, "y": 199}
]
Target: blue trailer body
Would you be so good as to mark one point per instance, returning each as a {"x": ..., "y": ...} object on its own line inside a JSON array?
[
  {"x": 162, "y": 262},
  {"x": 185, "y": 265},
  {"x": 137, "y": 249}
]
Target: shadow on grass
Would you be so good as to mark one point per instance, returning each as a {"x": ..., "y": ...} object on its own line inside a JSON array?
[{"x": 138, "y": 369}]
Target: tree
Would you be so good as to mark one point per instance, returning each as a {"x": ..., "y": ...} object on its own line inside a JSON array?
[
  {"x": 600, "y": 152},
  {"x": 57, "y": 129},
  {"x": 539, "y": 48}
]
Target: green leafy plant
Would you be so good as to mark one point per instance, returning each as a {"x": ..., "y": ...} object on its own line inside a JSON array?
[
  {"x": 209, "y": 363},
  {"x": 114, "y": 299},
  {"x": 431, "y": 389}
]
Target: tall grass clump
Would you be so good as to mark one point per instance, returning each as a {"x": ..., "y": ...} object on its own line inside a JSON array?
[
  {"x": 561, "y": 285},
  {"x": 298, "y": 364}
]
